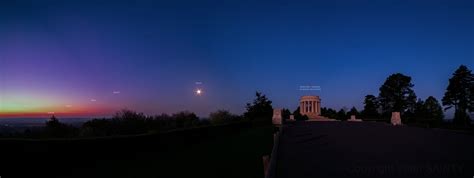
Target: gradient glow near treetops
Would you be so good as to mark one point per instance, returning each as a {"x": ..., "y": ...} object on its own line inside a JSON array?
[{"x": 88, "y": 58}]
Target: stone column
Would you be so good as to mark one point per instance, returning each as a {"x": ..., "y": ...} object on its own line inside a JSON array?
[
  {"x": 310, "y": 109},
  {"x": 310, "y": 105},
  {"x": 305, "y": 106},
  {"x": 319, "y": 107},
  {"x": 301, "y": 107},
  {"x": 314, "y": 107},
  {"x": 304, "y": 111}
]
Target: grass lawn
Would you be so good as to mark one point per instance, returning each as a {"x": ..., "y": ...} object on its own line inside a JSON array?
[{"x": 224, "y": 152}]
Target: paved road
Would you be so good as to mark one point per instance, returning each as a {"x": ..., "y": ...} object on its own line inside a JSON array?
[{"x": 365, "y": 149}]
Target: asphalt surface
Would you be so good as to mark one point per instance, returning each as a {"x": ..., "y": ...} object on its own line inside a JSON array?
[{"x": 368, "y": 149}]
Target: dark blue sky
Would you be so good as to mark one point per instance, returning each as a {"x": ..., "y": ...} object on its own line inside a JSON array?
[{"x": 69, "y": 52}]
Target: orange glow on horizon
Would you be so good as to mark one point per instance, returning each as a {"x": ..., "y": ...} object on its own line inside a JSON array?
[{"x": 76, "y": 112}]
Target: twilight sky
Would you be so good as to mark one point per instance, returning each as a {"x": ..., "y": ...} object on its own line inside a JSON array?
[{"x": 86, "y": 58}]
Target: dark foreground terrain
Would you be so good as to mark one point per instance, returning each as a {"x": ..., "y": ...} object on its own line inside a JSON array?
[
  {"x": 351, "y": 149},
  {"x": 223, "y": 151}
]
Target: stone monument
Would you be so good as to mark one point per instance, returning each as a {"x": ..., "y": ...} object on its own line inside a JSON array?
[
  {"x": 353, "y": 119},
  {"x": 277, "y": 119},
  {"x": 310, "y": 106},
  {"x": 396, "y": 120}
]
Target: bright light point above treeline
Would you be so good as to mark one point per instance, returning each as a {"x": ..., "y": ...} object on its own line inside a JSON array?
[
  {"x": 168, "y": 56},
  {"x": 198, "y": 91}
]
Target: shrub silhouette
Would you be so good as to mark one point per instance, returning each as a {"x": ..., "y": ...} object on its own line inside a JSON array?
[
  {"x": 260, "y": 109},
  {"x": 127, "y": 122},
  {"x": 54, "y": 128},
  {"x": 223, "y": 117}
]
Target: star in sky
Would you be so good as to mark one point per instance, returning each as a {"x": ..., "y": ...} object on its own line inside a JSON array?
[{"x": 198, "y": 92}]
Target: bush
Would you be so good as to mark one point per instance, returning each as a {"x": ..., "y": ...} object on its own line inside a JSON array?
[
  {"x": 222, "y": 117},
  {"x": 128, "y": 122},
  {"x": 54, "y": 128}
]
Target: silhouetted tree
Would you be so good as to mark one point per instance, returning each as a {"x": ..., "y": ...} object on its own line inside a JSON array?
[
  {"x": 164, "y": 122},
  {"x": 130, "y": 122},
  {"x": 434, "y": 111},
  {"x": 298, "y": 115},
  {"x": 260, "y": 110},
  {"x": 341, "y": 115},
  {"x": 53, "y": 122},
  {"x": 353, "y": 111},
  {"x": 460, "y": 94},
  {"x": 285, "y": 114},
  {"x": 419, "y": 112},
  {"x": 185, "y": 119},
  {"x": 99, "y": 127},
  {"x": 324, "y": 111},
  {"x": 329, "y": 113},
  {"x": 205, "y": 122},
  {"x": 370, "y": 108},
  {"x": 222, "y": 117},
  {"x": 54, "y": 128},
  {"x": 396, "y": 94}
]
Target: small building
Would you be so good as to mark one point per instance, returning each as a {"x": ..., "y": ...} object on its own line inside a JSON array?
[{"x": 310, "y": 106}]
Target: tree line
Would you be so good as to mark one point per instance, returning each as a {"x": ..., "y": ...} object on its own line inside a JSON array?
[
  {"x": 129, "y": 122},
  {"x": 397, "y": 95}
]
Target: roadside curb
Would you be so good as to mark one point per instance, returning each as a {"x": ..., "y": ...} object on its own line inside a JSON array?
[{"x": 271, "y": 171}]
